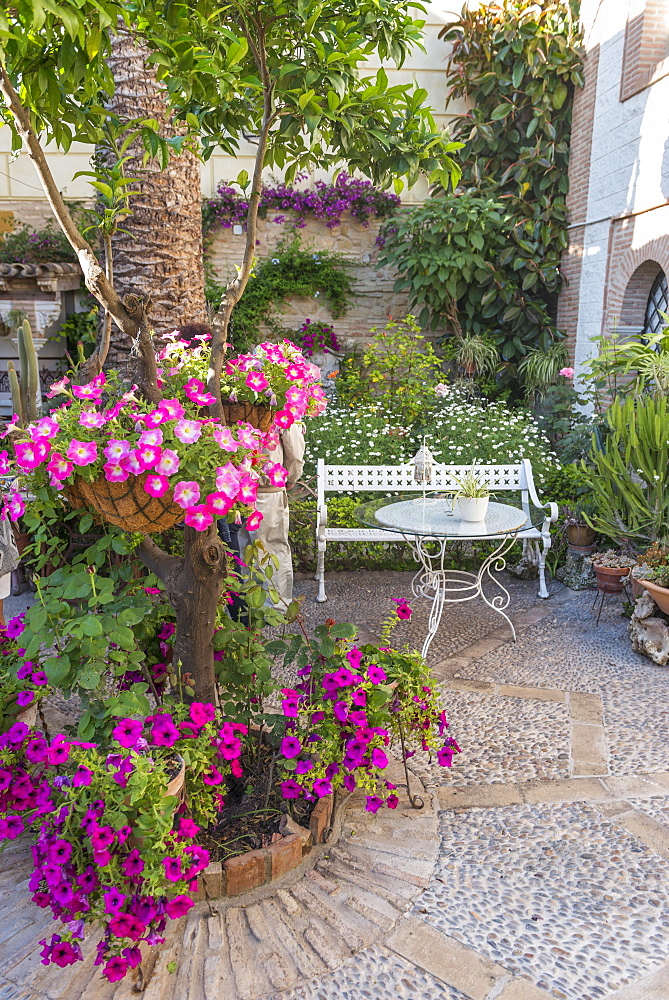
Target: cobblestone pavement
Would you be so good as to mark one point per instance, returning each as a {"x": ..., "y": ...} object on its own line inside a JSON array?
[{"x": 538, "y": 867}]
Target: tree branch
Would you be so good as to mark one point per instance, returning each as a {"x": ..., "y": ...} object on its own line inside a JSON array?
[
  {"x": 235, "y": 289},
  {"x": 94, "y": 276},
  {"x": 158, "y": 561}
]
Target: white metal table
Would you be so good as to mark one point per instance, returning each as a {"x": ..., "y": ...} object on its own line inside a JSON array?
[{"x": 429, "y": 523}]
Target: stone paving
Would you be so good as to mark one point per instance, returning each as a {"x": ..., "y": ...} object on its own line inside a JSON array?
[{"x": 538, "y": 868}]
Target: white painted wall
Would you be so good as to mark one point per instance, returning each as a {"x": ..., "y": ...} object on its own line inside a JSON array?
[
  {"x": 19, "y": 182},
  {"x": 629, "y": 169}
]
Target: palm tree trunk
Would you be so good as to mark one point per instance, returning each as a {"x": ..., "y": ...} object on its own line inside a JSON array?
[{"x": 157, "y": 251}]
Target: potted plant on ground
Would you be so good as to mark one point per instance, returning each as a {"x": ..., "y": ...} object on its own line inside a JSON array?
[
  {"x": 652, "y": 573},
  {"x": 473, "y": 496},
  {"x": 580, "y": 535},
  {"x": 611, "y": 568},
  {"x": 476, "y": 355}
]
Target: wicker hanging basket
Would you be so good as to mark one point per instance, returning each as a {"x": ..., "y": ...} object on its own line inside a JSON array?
[
  {"x": 127, "y": 505},
  {"x": 260, "y": 417}
]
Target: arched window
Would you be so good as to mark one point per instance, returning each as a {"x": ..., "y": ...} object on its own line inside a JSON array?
[{"x": 658, "y": 303}]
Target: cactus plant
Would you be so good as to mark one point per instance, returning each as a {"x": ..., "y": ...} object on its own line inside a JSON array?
[{"x": 24, "y": 386}]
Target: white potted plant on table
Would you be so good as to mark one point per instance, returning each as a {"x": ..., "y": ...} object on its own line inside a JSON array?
[{"x": 473, "y": 496}]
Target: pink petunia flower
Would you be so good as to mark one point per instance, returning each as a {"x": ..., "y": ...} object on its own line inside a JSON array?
[
  {"x": 148, "y": 455},
  {"x": 132, "y": 464},
  {"x": 256, "y": 381},
  {"x": 153, "y": 437},
  {"x": 91, "y": 419},
  {"x": 58, "y": 387},
  {"x": 172, "y": 409},
  {"x": 59, "y": 467},
  {"x": 116, "y": 449},
  {"x": 248, "y": 490},
  {"x": 15, "y": 507},
  {"x": 275, "y": 472},
  {"x": 225, "y": 439},
  {"x": 186, "y": 493},
  {"x": 196, "y": 392},
  {"x": 248, "y": 436},
  {"x": 188, "y": 431},
  {"x": 115, "y": 472},
  {"x": 156, "y": 485},
  {"x": 198, "y": 517},
  {"x": 168, "y": 463},
  {"x": 30, "y": 454},
  {"x": 82, "y": 452},
  {"x": 228, "y": 479},
  {"x": 47, "y": 427}
]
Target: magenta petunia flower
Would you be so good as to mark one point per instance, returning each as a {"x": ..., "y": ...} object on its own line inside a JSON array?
[
  {"x": 256, "y": 381},
  {"x": 379, "y": 758},
  {"x": 24, "y": 698},
  {"x": 37, "y": 749},
  {"x": 340, "y": 711},
  {"x": 199, "y": 517},
  {"x": 218, "y": 503},
  {"x": 187, "y": 828},
  {"x": 163, "y": 732},
  {"x": 254, "y": 520},
  {"x": 168, "y": 463},
  {"x": 188, "y": 431},
  {"x": 60, "y": 852},
  {"x": 17, "y": 733},
  {"x": 248, "y": 490},
  {"x": 127, "y": 732},
  {"x": 172, "y": 868},
  {"x": 82, "y": 777},
  {"x": 64, "y": 953},
  {"x": 11, "y": 827},
  {"x": 186, "y": 494},
  {"x": 402, "y": 610},
  {"x": 290, "y": 789},
  {"x": 155, "y": 485},
  {"x": 133, "y": 864},
  {"x": 115, "y": 969},
  {"x": 376, "y": 674},
  {"x": 201, "y": 713},
  {"x": 373, "y": 803},
  {"x": 82, "y": 452},
  {"x": 290, "y": 746},
  {"x": 392, "y": 802},
  {"x": 102, "y": 837},
  {"x": 304, "y": 766},
  {"x": 321, "y": 787},
  {"x": 178, "y": 907},
  {"x": 445, "y": 756},
  {"x": 284, "y": 419}
]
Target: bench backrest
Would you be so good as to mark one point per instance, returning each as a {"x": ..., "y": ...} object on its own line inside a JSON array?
[{"x": 388, "y": 478}]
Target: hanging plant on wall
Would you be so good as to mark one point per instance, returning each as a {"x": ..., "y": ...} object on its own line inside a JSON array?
[{"x": 292, "y": 270}]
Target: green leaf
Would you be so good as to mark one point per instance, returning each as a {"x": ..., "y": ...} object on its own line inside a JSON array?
[
  {"x": 559, "y": 95},
  {"x": 501, "y": 111}
]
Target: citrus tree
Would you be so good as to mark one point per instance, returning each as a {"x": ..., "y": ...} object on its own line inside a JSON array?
[{"x": 289, "y": 75}]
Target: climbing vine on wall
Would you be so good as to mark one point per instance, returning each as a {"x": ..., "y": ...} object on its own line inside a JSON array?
[{"x": 516, "y": 63}]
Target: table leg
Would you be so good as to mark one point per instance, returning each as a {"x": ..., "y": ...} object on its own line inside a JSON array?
[{"x": 496, "y": 562}]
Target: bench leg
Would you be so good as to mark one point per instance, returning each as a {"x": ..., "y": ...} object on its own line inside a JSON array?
[
  {"x": 543, "y": 589},
  {"x": 320, "y": 574}
]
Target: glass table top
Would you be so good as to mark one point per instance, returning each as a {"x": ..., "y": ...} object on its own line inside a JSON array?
[{"x": 438, "y": 516}]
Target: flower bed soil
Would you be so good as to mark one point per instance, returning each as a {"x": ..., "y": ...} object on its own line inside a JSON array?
[{"x": 256, "y": 839}]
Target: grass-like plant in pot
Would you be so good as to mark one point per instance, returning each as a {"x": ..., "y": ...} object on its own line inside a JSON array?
[
  {"x": 579, "y": 533},
  {"x": 473, "y": 496}
]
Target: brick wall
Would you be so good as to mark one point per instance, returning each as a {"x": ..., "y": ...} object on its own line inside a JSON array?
[
  {"x": 646, "y": 47},
  {"x": 577, "y": 199},
  {"x": 639, "y": 249},
  {"x": 374, "y": 301}
]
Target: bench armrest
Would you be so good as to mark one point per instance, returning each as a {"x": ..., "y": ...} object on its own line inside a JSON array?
[{"x": 321, "y": 522}]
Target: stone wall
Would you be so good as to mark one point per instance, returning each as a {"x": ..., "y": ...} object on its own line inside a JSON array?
[{"x": 374, "y": 301}]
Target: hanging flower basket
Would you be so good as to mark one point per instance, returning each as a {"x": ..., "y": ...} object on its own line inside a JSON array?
[
  {"x": 126, "y": 504},
  {"x": 260, "y": 417}
]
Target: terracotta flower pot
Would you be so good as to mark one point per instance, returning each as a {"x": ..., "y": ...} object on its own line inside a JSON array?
[
  {"x": 260, "y": 417},
  {"x": 659, "y": 594},
  {"x": 127, "y": 505},
  {"x": 610, "y": 579},
  {"x": 580, "y": 535}
]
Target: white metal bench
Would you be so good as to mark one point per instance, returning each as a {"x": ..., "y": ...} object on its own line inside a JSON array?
[{"x": 401, "y": 478}]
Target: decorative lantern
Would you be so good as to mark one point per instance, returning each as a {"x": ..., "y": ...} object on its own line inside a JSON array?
[{"x": 423, "y": 462}]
